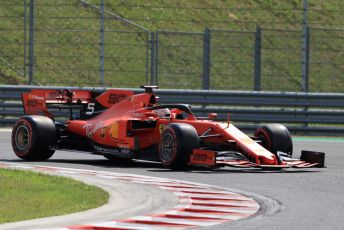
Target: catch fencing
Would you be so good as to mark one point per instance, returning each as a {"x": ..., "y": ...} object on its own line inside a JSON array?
[
  {"x": 83, "y": 43},
  {"x": 302, "y": 113}
]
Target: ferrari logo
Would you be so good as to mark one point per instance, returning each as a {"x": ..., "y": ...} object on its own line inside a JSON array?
[{"x": 161, "y": 128}]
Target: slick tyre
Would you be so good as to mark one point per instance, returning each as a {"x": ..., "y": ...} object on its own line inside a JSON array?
[
  {"x": 275, "y": 137},
  {"x": 32, "y": 136},
  {"x": 176, "y": 145}
]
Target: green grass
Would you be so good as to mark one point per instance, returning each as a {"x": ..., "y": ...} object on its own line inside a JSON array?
[
  {"x": 26, "y": 195},
  {"x": 64, "y": 56}
]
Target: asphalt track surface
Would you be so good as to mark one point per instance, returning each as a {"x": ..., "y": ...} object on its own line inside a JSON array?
[{"x": 308, "y": 198}]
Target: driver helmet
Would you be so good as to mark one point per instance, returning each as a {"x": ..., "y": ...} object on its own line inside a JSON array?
[{"x": 163, "y": 113}]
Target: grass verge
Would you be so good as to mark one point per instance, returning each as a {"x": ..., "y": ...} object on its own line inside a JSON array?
[
  {"x": 66, "y": 43},
  {"x": 27, "y": 195}
]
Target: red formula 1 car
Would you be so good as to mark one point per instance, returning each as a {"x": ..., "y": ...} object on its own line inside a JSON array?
[{"x": 119, "y": 124}]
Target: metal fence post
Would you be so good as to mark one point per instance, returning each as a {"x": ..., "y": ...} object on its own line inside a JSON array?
[
  {"x": 31, "y": 41},
  {"x": 305, "y": 60},
  {"x": 101, "y": 45},
  {"x": 305, "y": 49},
  {"x": 24, "y": 39},
  {"x": 156, "y": 57},
  {"x": 152, "y": 50},
  {"x": 257, "y": 59},
  {"x": 2, "y": 101},
  {"x": 305, "y": 55},
  {"x": 147, "y": 57},
  {"x": 206, "y": 59}
]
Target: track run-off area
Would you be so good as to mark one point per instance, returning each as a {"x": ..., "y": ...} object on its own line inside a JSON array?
[{"x": 283, "y": 199}]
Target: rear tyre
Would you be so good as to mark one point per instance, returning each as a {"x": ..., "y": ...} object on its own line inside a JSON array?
[
  {"x": 275, "y": 138},
  {"x": 176, "y": 145},
  {"x": 32, "y": 137}
]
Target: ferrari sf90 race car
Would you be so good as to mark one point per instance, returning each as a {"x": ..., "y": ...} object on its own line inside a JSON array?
[{"x": 120, "y": 124}]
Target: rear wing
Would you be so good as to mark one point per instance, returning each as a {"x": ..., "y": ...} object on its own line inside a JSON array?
[{"x": 38, "y": 101}]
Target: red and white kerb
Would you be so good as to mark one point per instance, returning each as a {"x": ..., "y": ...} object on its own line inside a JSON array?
[{"x": 199, "y": 205}]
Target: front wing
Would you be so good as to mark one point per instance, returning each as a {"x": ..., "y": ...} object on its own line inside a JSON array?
[{"x": 208, "y": 158}]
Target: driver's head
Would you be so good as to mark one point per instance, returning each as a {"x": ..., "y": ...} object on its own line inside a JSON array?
[{"x": 163, "y": 113}]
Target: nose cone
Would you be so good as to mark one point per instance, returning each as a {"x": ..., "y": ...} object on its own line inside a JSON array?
[{"x": 267, "y": 160}]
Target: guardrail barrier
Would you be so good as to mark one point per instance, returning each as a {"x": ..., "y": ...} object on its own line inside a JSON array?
[{"x": 302, "y": 113}]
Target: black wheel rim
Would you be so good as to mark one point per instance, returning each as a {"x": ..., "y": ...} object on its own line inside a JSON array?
[
  {"x": 22, "y": 139},
  {"x": 168, "y": 145},
  {"x": 263, "y": 140}
]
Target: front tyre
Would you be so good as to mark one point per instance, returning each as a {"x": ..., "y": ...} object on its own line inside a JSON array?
[
  {"x": 275, "y": 138},
  {"x": 176, "y": 144},
  {"x": 32, "y": 137}
]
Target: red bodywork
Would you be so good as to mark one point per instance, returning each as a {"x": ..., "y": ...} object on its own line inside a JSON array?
[{"x": 127, "y": 122}]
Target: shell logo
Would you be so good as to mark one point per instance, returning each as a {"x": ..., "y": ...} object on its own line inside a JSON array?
[{"x": 114, "y": 130}]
